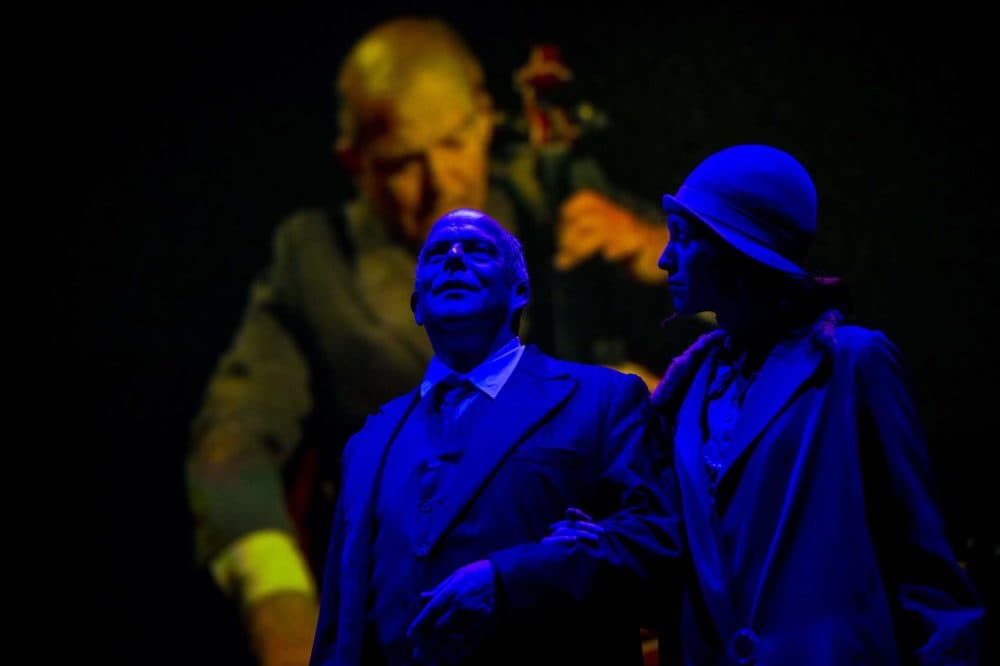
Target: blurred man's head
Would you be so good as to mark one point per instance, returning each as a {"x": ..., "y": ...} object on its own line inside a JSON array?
[{"x": 415, "y": 124}]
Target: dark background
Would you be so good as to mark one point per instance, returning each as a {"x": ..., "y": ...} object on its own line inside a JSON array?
[{"x": 199, "y": 129}]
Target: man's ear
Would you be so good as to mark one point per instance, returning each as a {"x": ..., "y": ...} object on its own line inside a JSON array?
[
  {"x": 522, "y": 293},
  {"x": 413, "y": 308},
  {"x": 483, "y": 101},
  {"x": 348, "y": 155},
  {"x": 487, "y": 115}
]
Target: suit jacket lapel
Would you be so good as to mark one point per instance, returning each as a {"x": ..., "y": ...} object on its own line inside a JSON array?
[
  {"x": 358, "y": 496},
  {"x": 784, "y": 372},
  {"x": 379, "y": 433},
  {"x": 532, "y": 393}
]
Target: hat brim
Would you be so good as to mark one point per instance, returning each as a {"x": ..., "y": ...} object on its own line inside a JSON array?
[{"x": 736, "y": 238}]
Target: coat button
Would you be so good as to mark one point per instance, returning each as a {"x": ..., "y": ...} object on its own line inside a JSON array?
[
  {"x": 421, "y": 550},
  {"x": 425, "y": 506}
]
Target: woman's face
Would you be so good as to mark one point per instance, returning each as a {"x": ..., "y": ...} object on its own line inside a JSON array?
[{"x": 693, "y": 259}]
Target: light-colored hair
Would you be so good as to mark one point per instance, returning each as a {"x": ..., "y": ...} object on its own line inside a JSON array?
[{"x": 382, "y": 64}]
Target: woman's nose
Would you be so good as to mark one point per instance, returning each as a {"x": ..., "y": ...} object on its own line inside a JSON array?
[{"x": 666, "y": 259}]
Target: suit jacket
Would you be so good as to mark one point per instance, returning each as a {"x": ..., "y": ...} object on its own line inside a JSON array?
[
  {"x": 823, "y": 543},
  {"x": 558, "y": 435}
]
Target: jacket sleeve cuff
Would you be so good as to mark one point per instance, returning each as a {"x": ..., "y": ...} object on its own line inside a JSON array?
[{"x": 260, "y": 564}]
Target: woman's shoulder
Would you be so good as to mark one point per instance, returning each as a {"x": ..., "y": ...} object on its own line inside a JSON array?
[
  {"x": 853, "y": 338},
  {"x": 868, "y": 350}
]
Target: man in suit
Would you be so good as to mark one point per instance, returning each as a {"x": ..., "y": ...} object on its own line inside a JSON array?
[
  {"x": 437, "y": 554},
  {"x": 327, "y": 337}
]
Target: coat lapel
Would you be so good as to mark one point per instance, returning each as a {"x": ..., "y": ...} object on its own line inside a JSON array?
[
  {"x": 688, "y": 434},
  {"x": 698, "y": 505},
  {"x": 783, "y": 374},
  {"x": 379, "y": 433},
  {"x": 358, "y": 496},
  {"x": 533, "y": 392}
]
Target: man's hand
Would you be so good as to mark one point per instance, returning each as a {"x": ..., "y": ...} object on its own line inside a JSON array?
[
  {"x": 459, "y": 611},
  {"x": 590, "y": 223},
  {"x": 578, "y": 526},
  {"x": 281, "y": 628}
]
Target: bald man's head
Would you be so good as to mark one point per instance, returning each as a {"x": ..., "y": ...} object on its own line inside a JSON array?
[
  {"x": 415, "y": 124},
  {"x": 390, "y": 63}
]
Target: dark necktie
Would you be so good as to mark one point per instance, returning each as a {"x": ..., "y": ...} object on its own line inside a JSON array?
[{"x": 454, "y": 393}]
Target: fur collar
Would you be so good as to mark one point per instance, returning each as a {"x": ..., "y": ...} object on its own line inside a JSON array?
[{"x": 678, "y": 377}]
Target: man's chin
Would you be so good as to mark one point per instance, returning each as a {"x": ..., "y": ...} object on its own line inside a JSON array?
[{"x": 458, "y": 318}]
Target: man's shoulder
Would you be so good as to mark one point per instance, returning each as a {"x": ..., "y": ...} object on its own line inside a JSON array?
[
  {"x": 389, "y": 412},
  {"x": 307, "y": 222},
  {"x": 586, "y": 373},
  {"x": 307, "y": 229},
  {"x": 392, "y": 407}
]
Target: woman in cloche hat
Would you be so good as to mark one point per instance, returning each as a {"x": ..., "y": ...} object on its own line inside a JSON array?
[{"x": 814, "y": 535}]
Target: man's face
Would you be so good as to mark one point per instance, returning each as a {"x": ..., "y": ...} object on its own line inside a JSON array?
[
  {"x": 432, "y": 157},
  {"x": 464, "y": 276}
]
